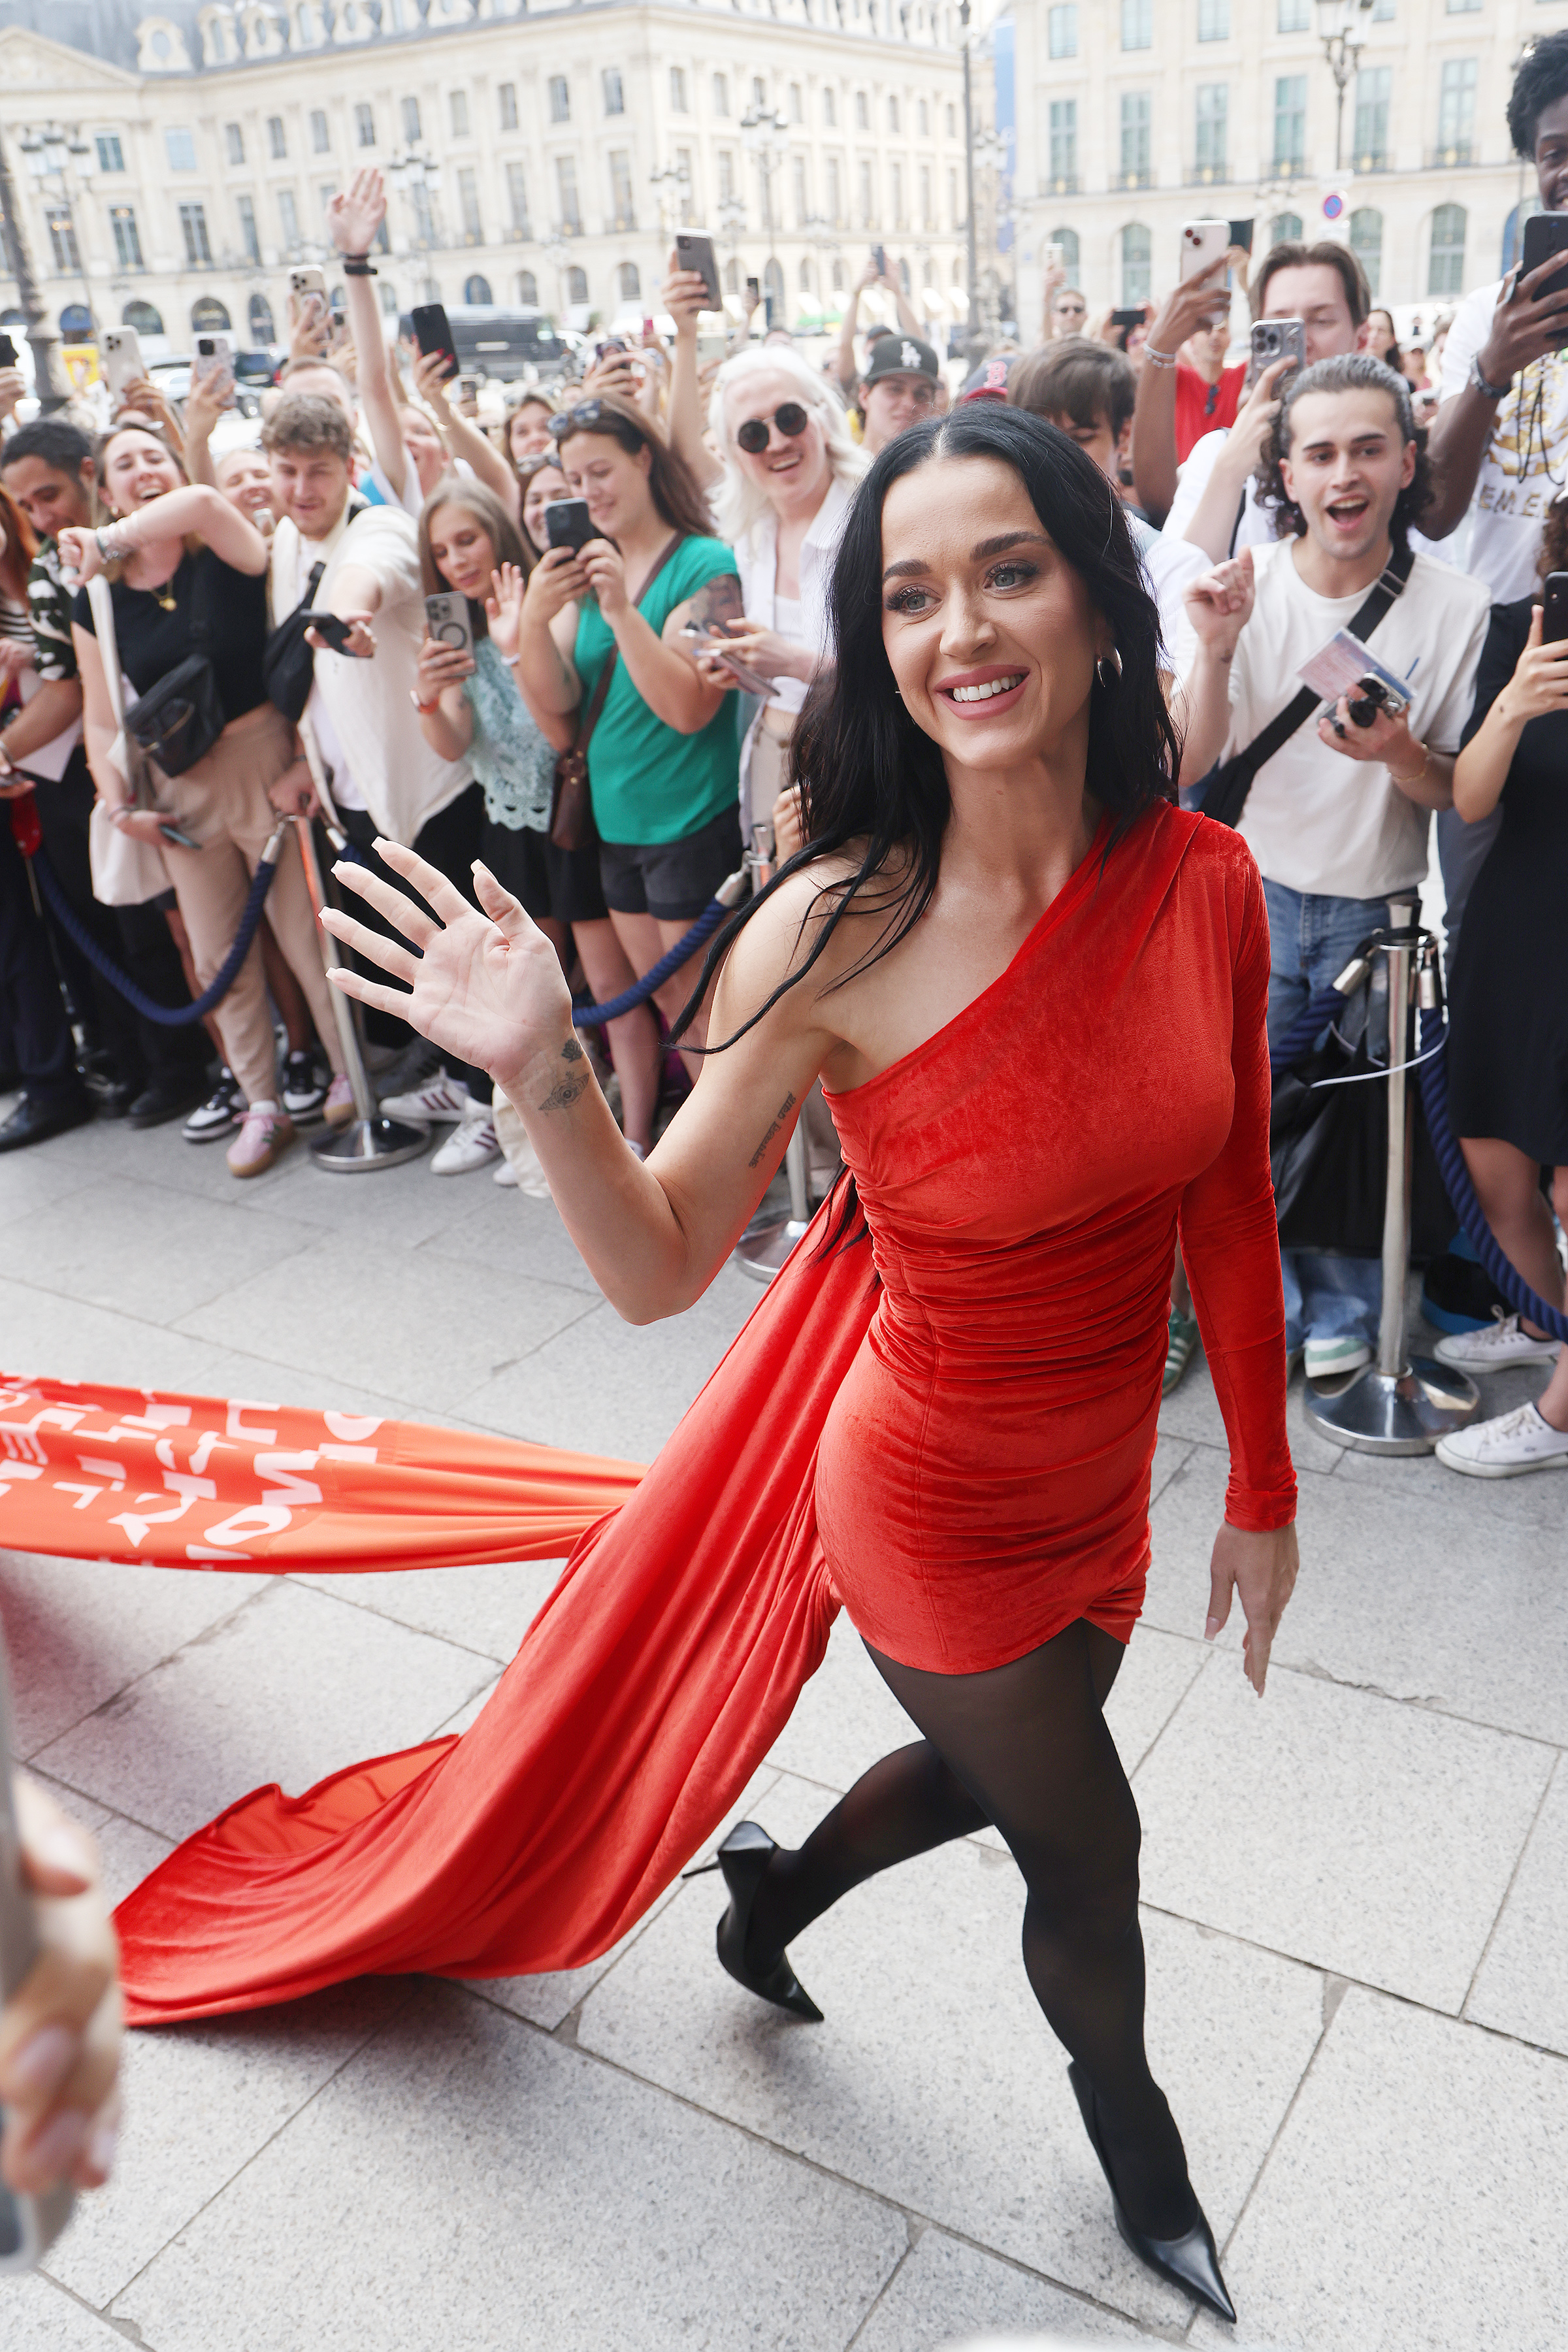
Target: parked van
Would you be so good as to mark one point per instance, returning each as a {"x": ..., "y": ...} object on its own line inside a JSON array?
[{"x": 493, "y": 342}]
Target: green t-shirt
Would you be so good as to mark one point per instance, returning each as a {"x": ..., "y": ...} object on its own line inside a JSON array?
[{"x": 648, "y": 781}]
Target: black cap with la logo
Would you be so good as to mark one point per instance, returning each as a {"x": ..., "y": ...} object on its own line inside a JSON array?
[{"x": 894, "y": 354}]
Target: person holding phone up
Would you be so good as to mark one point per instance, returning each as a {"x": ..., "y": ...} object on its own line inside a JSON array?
[
  {"x": 189, "y": 576},
  {"x": 1508, "y": 1014}
]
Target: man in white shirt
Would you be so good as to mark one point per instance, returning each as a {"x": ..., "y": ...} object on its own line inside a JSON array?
[{"x": 1338, "y": 818}]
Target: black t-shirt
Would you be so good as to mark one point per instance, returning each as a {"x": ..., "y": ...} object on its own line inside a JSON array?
[{"x": 153, "y": 642}]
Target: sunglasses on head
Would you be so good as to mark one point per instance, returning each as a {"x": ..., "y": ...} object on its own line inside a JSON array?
[
  {"x": 570, "y": 420},
  {"x": 791, "y": 420}
]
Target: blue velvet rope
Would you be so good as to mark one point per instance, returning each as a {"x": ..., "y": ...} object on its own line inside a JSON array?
[
  {"x": 588, "y": 1016},
  {"x": 168, "y": 1016}
]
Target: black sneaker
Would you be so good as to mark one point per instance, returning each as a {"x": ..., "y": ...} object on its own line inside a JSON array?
[
  {"x": 168, "y": 1095},
  {"x": 306, "y": 1077},
  {"x": 219, "y": 1115}
]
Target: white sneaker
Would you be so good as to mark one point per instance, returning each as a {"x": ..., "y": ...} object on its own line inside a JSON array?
[
  {"x": 219, "y": 1115},
  {"x": 505, "y": 1173},
  {"x": 1496, "y": 1344},
  {"x": 443, "y": 1098},
  {"x": 1507, "y": 1447},
  {"x": 1327, "y": 1359},
  {"x": 471, "y": 1144}
]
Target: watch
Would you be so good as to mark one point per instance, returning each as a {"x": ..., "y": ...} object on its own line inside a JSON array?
[{"x": 1478, "y": 383}]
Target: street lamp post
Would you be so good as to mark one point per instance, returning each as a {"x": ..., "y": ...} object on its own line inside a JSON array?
[
  {"x": 763, "y": 134},
  {"x": 969, "y": 181},
  {"x": 417, "y": 173},
  {"x": 1340, "y": 28},
  {"x": 671, "y": 184},
  {"x": 46, "y": 383}
]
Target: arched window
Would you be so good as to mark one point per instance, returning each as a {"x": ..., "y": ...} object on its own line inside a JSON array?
[
  {"x": 1366, "y": 243},
  {"x": 142, "y": 317},
  {"x": 1137, "y": 263},
  {"x": 576, "y": 286},
  {"x": 805, "y": 277},
  {"x": 476, "y": 289},
  {"x": 259, "y": 313},
  {"x": 773, "y": 288},
  {"x": 630, "y": 282},
  {"x": 1285, "y": 228},
  {"x": 904, "y": 280},
  {"x": 1446, "y": 260},
  {"x": 1067, "y": 239},
  {"x": 306, "y": 26},
  {"x": 208, "y": 316},
  {"x": 528, "y": 289}
]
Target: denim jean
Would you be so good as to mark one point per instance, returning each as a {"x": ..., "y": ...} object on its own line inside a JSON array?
[{"x": 1311, "y": 940}]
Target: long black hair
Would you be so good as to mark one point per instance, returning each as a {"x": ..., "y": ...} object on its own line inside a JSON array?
[{"x": 868, "y": 773}]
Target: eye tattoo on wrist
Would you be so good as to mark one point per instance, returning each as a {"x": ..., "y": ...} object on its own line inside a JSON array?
[
  {"x": 783, "y": 1111},
  {"x": 572, "y": 1081}
]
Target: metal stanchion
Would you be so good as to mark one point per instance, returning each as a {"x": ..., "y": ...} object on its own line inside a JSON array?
[
  {"x": 370, "y": 1140},
  {"x": 768, "y": 1240},
  {"x": 1401, "y": 1404}
]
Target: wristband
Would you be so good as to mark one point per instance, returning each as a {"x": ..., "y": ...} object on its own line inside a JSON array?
[
  {"x": 358, "y": 265},
  {"x": 1159, "y": 359},
  {"x": 424, "y": 708},
  {"x": 1420, "y": 772},
  {"x": 1478, "y": 383}
]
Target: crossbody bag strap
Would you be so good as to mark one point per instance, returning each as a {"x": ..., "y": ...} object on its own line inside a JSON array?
[
  {"x": 1227, "y": 797},
  {"x": 591, "y": 716}
]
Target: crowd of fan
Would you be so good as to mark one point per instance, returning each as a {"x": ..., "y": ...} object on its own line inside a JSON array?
[{"x": 673, "y": 640}]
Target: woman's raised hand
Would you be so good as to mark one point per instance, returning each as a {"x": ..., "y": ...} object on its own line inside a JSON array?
[
  {"x": 431, "y": 381},
  {"x": 503, "y": 610},
  {"x": 1262, "y": 1570},
  {"x": 555, "y": 580},
  {"x": 1219, "y": 604},
  {"x": 1540, "y": 682},
  {"x": 79, "y": 557},
  {"x": 487, "y": 988}
]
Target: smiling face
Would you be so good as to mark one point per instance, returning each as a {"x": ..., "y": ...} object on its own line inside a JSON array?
[
  {"x": 528, "y": 429},
  {"x": 990, "y": 631},
  {"x": 1349, "y": 461},
  {"x": 462, "y": 549},
  {"x": 137, "y": 468},
  {"x": 244, "y": 478},
  {"x": 311, "y": 486},
  {"x": 614, "y": 481},
  {"x": 546, "y": 485},
  {"x": 793, "y": 471},
  {"x": 51, "y": 500},
  {"x": 1552, "y": 155}
]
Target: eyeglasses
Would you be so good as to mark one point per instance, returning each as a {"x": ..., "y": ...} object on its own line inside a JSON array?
[
  {"x": 574, "y": 420},
  {"x": 791, "y": 420}
]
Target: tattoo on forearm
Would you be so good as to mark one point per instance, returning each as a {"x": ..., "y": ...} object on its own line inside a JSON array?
[
  {"x": 717, "y": 600},
  {"x": 783, "y": 1111},
  {"x": 566, "y": 1083}
]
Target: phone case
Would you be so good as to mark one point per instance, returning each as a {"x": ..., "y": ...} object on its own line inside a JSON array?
[
  {"x": 28, "y": 2225},
  {"x": 1555, "y": 608},
  {"x": 446, "y": 616}
]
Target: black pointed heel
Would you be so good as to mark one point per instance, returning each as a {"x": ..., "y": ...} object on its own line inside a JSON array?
[
  {"x": 743, "y": 1858},
  {"x": 1189, "y": 2261}
]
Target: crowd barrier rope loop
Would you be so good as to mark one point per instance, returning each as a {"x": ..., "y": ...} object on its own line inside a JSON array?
[
  {"x": 168, "y": 1016},
  {"x": 723, "y": 902}
]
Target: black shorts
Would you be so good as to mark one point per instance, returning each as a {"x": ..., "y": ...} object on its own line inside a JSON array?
[
  {"x": 672, "y": 880},
  {"x": 546, "y": 881}
]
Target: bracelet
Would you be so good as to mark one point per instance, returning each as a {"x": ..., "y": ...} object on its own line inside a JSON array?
[
  {"x": 358, "y": 265},
  {"x": 424, "y": 708},
  {"x": 112, "y": 542},
  {"x": 1478, "y": 383},
  {"x": 1421, "y": 770},
  {"x": 1159, "y": 359}
]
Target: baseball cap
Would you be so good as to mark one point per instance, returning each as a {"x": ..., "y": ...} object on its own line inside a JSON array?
[
  {"x": 901, "y": 355},
  {"x": 989, "y": 380}
]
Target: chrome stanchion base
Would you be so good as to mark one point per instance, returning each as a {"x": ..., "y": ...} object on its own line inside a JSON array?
[
  {"x": 367, "y": 1143},
  {"x": 1396, "y": 1413},
  {"x": 761, "y": 1250}
]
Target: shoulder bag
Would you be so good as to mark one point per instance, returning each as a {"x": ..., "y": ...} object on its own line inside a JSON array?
[
  {"x": 571, "y": 808},
  {"x": 288, "y": 664},
  {"x": 126, "y": 872},
  {"x": 1230, "y": 781},
  {"x": 177, "y": 721}
]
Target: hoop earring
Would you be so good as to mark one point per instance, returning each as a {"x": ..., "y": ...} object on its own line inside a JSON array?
[{"x": 1107, "y": 669}]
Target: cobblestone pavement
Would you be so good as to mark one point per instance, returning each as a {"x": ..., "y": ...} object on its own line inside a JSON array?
[{"x": 1356, "y": 1893}]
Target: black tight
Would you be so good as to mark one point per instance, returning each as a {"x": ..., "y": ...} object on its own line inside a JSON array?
[{"x": 1024, "y": 1746}]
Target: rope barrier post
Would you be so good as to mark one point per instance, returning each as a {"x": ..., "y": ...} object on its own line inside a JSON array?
[
  {"x": 768, "y": 1240},
  {"x": 1399, "y": 1403},
  {"x": 369, "y": 1139}
]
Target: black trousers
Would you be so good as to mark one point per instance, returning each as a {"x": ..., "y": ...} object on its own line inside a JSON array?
[
  {"x": 41, "y": 1046},
  {"x": 450, "y": 843},
  {"x": 138, "y": 938}
]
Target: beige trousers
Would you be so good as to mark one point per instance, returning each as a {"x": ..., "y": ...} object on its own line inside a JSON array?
[{"x": 221, "y": 804}]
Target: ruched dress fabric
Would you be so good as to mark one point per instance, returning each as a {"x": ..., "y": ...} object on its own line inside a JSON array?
[{"x": 975, "y": 1431}]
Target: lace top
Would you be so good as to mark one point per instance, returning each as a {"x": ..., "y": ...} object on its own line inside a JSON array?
[{"x": 511, "y": 757}]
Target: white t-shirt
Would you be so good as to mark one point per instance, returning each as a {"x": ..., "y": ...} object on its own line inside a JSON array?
[
  {"x": 1316, "y": 820},
  {"x": 1526, "y": 447},
  {"x": 1256, "y": 526}
]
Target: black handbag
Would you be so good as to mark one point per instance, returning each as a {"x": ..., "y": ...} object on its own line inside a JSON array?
[
  {"x": 1328, "y": 1146},
  {"x": 177, "y": 721},
  {"x": 287, "y": 663}
]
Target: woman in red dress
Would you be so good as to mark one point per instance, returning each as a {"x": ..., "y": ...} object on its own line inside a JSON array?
[{"x": 1034, "y": 990}]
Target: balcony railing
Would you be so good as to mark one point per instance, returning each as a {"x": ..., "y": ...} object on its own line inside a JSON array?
[
  {"x": 1134, "y": 175},
  {"x": 1208, "y": 175},
  {"x": 1060, "y": 183},
  {"x": 1377, "y": 160},
  {"x": 1454, "y": 158},
  {"x": 1287, "y": 167}
]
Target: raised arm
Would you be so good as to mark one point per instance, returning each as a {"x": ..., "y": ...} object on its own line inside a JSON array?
[
  {"x": 1212, "y": 525},
  {"x": 353, "y": 217},
  {"x": 546, "y": 676},
  {"x": 684, "y": 294},
  {"x": 1510, "y": 693},
  {"x": 1154, "y": 417},
  {"x": 1527, "y": 324},
  {"x": 192, "y": 511},
  {"x": 463, "y": 439},
  {"x": 1218, "y": 607}
]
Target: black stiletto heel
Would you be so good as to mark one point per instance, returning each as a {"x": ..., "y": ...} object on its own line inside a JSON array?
[
  {"x": 1189, "y": 2261},
  {"x": 743, "y": 1858}
]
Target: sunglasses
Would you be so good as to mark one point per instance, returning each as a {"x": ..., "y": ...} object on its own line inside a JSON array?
[
  {"x": 791, "y": 420},
  {"x": 573, "y": 420}
]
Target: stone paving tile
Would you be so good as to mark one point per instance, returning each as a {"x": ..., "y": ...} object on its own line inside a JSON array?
[
  {"x": 1359, "y": 1835},
  {"x": 936, "y": 2082},
  {"x": 943, "y": 2290},
  {"x": 288, "y": 1689},
  {"x": 428, "y": 1338},
  {"x": 42, "y": 2318},
  {"x": 1397, "y": 1593},
  {"x": 1194, "y": 1412},
  {"x": 201, "y": 2102},
  {"x": 1522, "y": 1985},
  {"x": 152, "y": 1253},
  {"x": 488, "y": 1608},
  {"x": 1537, "y": 1501},
  {"x": 574, "y": 2210},
  {"x": 1415, "y": 2200},
  {"x": 510, "y": 1228},
  {"x": 79, "y": 1631}
]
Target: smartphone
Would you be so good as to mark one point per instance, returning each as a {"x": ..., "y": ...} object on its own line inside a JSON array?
[
  {"x": 1205, "y": 242},
  {"x": 1241, "y": 236},
  {"x": 1278, "y": 339},
  {"x": 1126, "y": 318},
  {"x": 1555, "y": 602},
  {"x": 28, "y": 2225},
  {"x": 647, "y": 330},
  {"x": 181, "y": 840},
  {"x": 122, "y": 362},
  {"x": 468, "y": 387},
  {"x": 332, "y": 631},
  {"x": 7, "y": 352},
  {"x": 879, "y": 259},
  {"x": 448, "y": 622},
  {"x": 1052, "y": 256},
  {"x": 754, "y": 289},
  {"x": 1544, "y": 235},
  {"x": 309, "y": 289},
  {"x": 567, "y": 523},
  {"x": 433, "y": 333},
  {"x": 709, "y": 640},
  {"x": 693, "y": 251},
  {"x": 608, "y": 343},
  {"x": 215, "y": 356}
]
